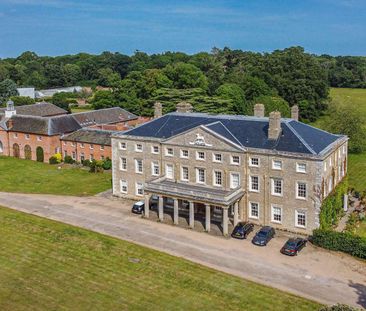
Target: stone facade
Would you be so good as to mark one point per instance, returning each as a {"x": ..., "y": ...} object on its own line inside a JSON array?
[{"x": 291, "y": 186}]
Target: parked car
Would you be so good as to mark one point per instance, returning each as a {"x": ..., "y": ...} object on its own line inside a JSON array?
[
  {"x": 293, "y": 246},
  {"x": 138, "y": 207},
  {"x": 242, "y": 229},
  {"x": 263, "y": 236}
]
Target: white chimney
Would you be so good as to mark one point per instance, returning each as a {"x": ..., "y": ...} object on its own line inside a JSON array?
[
  {"x": 10, "y": 110},
  {"x": 259, "y": 110},
  {"x": 274, "y": 128}
]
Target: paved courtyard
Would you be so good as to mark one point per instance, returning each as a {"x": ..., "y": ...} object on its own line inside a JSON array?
[{"x": 317, "y": 274}]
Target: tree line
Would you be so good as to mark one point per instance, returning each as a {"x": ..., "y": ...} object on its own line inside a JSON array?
[{"x": 222, "y": 81}]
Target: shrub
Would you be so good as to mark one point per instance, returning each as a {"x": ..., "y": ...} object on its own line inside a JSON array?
[
  {"x": 332, "y": 207},
  {"x": 107, "y": 164},
  {"x": 86, "y": 163},
  {"x": 69, "y": 159},
  {"x": 338, "y": 307},
  {"x": 53, "y": 160},
  {"x": 340, "y": 241},
  {"x": 96, "y": 166}
]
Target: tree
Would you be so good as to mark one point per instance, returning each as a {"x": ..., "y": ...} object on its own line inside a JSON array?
[
  {"x": 63, "y": 100},
  {"x": 347, "y": 121},
  {"x": 72, "y": 74},
  {"x": 236, "y": 94},
  {"x": 186, "y": 76},
  {"x": 8, "y": 88},
  {"x": 107, "y": 77},
  {"x": 273, "y": 103},
  {"x": 22, "y": 100}
]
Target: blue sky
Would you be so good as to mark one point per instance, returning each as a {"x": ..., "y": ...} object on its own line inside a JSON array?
[{"x": 57, "y": 27}]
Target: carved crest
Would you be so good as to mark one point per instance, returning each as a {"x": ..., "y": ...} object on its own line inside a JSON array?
[{"x": 200, "y": 141}]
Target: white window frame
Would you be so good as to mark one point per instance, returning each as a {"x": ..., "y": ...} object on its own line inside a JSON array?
[
  {"x": 27, "y": 136},
  {"x": 330, "y": 161},
  {"x": 153, "y": 149},
  {"x": 273, "y": 187},
  {"x": 274, "y": 162},
  {"x": 298, "y": 165},
  {"x": 182, "y": 177},
  {"x": 15, "y": 135},
  {"x": 214, "y": 157},
  {"x": 122, "y": 165},
  {"x": 251, "y": 161},
  {"x": 297, "y": 219},
  {"x": 170, "y": 176},
  {"x": 101, "y": 147},
  {"x": 215, "y": 178},
  {"x": 123, "y": 183},
  {"x": 139, "y": 186},
  {"x": 154, "y": 165},
  {"x": 137, "y": 166},
  {"x": 139, "y": 147},
  {"x": 39, "y": 138},
  {"x": 232, "y": 160},
  {"x": 251, "y": 184},
  {"x": 81, "y": 145},
  {"x": 198, "y": 170},
  {"x": 122, "y": 145},
  {"x": 167, "y": 151},
  {"x": 250, "y": 215},
  {"x": 325, "y": 166},
  {"x": 91, "y": 147},
  {"x": 232, "y": 186},
  {"x": 273, "y": 207},
  {"x": 297, "y": 190},
  {"x": 198, "y": 153},
  {"x": 182, "y": 153}
]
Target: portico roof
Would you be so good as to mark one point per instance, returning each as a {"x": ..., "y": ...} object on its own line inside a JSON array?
[{"x": 195, "y": 193}]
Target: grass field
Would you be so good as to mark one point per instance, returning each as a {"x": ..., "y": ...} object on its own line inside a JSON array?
[
  {"x": 361, "y": 229},
  {"x": 46, "y": 265},
  {"x": 33, "y": 177}
]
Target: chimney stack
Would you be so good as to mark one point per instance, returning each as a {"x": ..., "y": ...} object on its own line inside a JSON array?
[
  {"x": 184, "y": 107},
  {"x": 10, "y": 110},
  {"x": 295, "y": 112},
  {"x": 274, "y": 128},
  {"x": 259, "y": 110},
  {"x": 158, "y": 110}
]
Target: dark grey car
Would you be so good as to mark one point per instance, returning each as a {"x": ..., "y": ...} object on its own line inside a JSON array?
[{"x": 263, "y": 236}]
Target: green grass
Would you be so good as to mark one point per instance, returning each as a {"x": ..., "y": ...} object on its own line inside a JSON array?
[
  {"x": 46, "y": 265},
  {"x": 80, "y": 109},
  {"x": 33, "y": 177},
  {"x": 361, "y": 229},
  {"x": 357, "y": 171},
  {"x": 354, "y": 97}
]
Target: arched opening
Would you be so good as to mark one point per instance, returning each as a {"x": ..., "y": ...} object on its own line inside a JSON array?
[
  {"x": 28, "y": 152},
  {"x": 1, "y": 147},
  {"x": 40, "y": 154},
  {"x": 16, "y": 152}
]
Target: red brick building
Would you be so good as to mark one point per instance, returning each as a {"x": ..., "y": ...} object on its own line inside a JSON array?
[{"x": 48, "y": 129}]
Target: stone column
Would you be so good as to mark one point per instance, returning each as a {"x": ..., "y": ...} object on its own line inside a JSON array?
[
  {"x": 161, "y": 208},
  {"x": 208, "y": 217},
  {"x": 225, "y": 222},
  {"x": 236, "y": 213},
  {"x": 191, "y": 214},
  {"x": 147, "y": 206},
  {"x": 345, "y": 202},
  {"x": 176, "y": 215}
]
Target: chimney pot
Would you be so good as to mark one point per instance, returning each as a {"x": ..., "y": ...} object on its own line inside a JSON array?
[
  {"x": 184, "y": 107},
  {"x": 295, "y": 112},
  {"x": 259, "y": 110},
  {"x": 158, "y": 110},
  {"x": 274, "y": 128}
]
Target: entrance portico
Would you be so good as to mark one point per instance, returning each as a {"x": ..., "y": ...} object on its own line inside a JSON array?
[{"x": 204, "y": 202}]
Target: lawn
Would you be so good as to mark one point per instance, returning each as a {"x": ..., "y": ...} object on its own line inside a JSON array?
[
  {"x": 46, "y": 265},
  {"x": 80, "y": 109},
  {"x": 27, "y": 176},
  {"x": 357, "y": 162},
  {"x": 361, "y": 229}
]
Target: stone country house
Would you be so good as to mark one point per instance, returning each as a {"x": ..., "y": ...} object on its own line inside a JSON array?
[
  {"x": 46, "y": 129},
  {"x": 226, "y": 168}
]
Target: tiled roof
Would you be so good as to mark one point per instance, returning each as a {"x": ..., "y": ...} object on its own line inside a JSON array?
[
  {"x": 40, "y": 110},
  {"x": 44, "y": 126},
  {"x": 103, "y": 116},
  {"x": 251, "y": 132},
  {"x": 92, "y": 136}
]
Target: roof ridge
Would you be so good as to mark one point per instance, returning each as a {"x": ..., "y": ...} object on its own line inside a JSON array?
[{"x": 300, "y": 138}]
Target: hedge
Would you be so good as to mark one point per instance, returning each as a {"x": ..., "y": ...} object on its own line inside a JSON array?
[
  {"x": 340, "y": 241},
  {"x": 332, "y": 207}
]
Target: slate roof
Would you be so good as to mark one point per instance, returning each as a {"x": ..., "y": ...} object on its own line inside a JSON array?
[
  {"x": 39, "y": 109},
  {"x": 103, "y": 116},
  {"x": 91, "y": 136},
  {"x": 244, "y": 131},
  {"x": 44, "y": 126}
]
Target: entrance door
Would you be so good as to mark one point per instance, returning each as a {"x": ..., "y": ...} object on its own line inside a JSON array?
[
  {"x": 28, "y": 152},
  {"x": 16, "y": 152}
]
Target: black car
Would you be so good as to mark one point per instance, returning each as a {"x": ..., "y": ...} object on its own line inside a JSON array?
[
  {"x": 263, "y": 236},
  {"x": 293, "y": 246},
  {"x": 242, "y": 229},
  {"x": 138, "y": 207}
]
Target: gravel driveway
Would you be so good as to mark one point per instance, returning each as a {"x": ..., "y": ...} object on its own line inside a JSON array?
[{"x": 327, "y": 277}]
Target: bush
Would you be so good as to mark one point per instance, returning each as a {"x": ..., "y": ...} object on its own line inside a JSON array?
[
  {"x": 107, "y": 164},
  {"x": 338, "y": 307},
  {"x": 68, "y": 159},
  {"x": 332, "y": 207},
  {"x": 340, "y": 241},
  {"x": 96, "y": 166},
  {"x": 86, "y": 163},
  {"x": 53, "y": 160}
]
